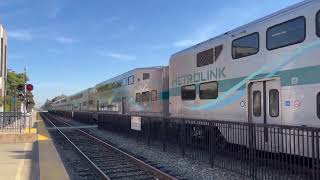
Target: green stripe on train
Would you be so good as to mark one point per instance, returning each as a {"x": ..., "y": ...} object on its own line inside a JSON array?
[{"x": 306, "y": 75}]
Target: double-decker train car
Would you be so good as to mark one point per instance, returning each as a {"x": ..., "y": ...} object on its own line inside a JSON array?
[
  {"x": 61, "y": 104},
  {"x": 265, "y": 72},
  {"x": 142, "y": 91}
]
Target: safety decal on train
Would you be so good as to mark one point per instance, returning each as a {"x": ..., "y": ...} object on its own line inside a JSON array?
[{"x": 209, "y": 75}]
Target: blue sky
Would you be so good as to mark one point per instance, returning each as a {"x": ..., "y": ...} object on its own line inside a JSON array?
[{"x": 70, "y": 45}]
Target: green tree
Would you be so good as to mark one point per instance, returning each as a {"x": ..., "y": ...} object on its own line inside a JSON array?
[{"x": 14, "y": 79}]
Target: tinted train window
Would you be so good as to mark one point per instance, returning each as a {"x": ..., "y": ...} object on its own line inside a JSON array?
[
  {"x": 138, "y": 97},
  {"x": 245, "y": 46},
  {"x": 208, "y": 90},
  {"x": 153, "y": 95},
  {"x": 188, "y": 92},
  {"x": 318, "y": 23},
  {"x": 145, "y": 76},
  {"x": 256, "y": 103},
  {"x": 318, "y": 105},
  {"x": 287, "y": 33},
  {"x": 130, "y": 80},
  {"x": 274, "y": 103},
  {"x": 205, "y": 57},
  {"x": 217, "y": 51},
  {"x": 145, "y": 96},
  {"x": 124, "y": 82}
]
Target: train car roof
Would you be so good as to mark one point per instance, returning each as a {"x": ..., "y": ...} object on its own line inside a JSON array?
[
  {"x": 263, "y": 19},
  {"x": 128, "y": 72}
]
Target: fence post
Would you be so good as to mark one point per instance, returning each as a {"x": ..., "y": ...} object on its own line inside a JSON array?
[
  {"x": 211, "y": 142},
  {"x": 313, "y": 155},
  {"x": 182, "y": 137},
  {"x": 164, "y": 133},
  {"x": 251, "y": 150},
  {"x": 149, "y": 130},
  {"x": 317, "y": 155}
]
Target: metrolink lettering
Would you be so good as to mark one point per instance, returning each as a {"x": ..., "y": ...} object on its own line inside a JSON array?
[{"x": 211, "y": 74}]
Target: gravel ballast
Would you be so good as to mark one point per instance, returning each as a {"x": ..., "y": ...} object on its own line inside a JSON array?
[{"x": 183, "y": 167}]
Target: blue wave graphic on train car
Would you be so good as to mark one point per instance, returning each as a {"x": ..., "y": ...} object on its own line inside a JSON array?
[{"x": 234, "y": 93}]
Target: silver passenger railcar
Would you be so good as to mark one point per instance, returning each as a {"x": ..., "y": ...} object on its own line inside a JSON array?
[{"x": 265, "y": 72}]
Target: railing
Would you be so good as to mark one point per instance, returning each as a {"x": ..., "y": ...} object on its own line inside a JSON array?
[
  {"x": 255, "y": 150},
  {"x": 14, "y": 122}
]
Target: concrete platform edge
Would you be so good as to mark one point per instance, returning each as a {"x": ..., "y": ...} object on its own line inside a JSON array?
[{"x": 50, "y": 164}]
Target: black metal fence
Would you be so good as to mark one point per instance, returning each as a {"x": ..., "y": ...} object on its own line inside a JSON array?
[
  {"x": 255, "y": 150},
  {"x": 12, "y": 122}
]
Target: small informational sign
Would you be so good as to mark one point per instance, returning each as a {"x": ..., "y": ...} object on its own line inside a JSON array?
[
  {"x": 297, "y": 103},
  {"x": 136, "y": 123},
  {"x": 288, "y": 103}
]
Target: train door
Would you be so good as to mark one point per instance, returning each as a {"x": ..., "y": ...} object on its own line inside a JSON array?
[
  {"x": 124, "y": 105},
  {"x": 264, "y": 101},
  {"x": 264, "y": 108}
]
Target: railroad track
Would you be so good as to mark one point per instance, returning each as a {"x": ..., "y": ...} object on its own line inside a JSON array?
[{"x": 108, "y": 161}]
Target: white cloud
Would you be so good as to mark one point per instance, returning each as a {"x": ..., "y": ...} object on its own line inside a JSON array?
[
  {"x": 185, "y": 43},
  {"x": 65, "y": 40},
  {"x": 23, "y": 35},
  {"x": 15, "y": 56},
  {"x": 199, "y": 35},
  {"x": 117, "y": 56},
  {"x": 217, "y": 25}
]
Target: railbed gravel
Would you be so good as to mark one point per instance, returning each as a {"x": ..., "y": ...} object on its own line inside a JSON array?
[{"x": 181, "y": 166}]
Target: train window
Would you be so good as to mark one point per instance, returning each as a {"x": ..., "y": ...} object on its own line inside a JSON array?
[
  {"x": 245, "y": 46},
  {"x": 145, "y": 96},
  {"x": 138, "y": 97},
  {"x": 318, "y": 23},
  {"x": 153, "y": 95},
  {"x": 124, "y": 82},
  {"x": 274, "y": 103},
  {"x": 318, "y": 105},
  {"x": 217, "y": 51},
  {"x": 208, "y": 90},
  {"x": 145, "y": 76},
  {"x": 130, "y": 80},
  {"x": 256, "y": 103},
  {"x": 188, "y": 92},
  {"x": 205, "y": 57},
  {"x": 287, "y": 33}
]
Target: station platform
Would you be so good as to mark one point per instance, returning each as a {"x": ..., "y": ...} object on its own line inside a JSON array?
[{"x": 30, "y": 155}]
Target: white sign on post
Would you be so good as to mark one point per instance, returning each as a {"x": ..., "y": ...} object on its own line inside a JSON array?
[{"x": 136, "y": 123}]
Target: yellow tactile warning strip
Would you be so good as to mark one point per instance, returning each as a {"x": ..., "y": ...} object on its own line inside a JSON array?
[
  {"x": 50, "y": 164},
  {"x": 30, "y": 130}
]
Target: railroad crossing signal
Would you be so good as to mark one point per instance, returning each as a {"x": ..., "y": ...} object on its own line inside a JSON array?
[
  {"x": 29, "y": 87},
  {"x": 20, "y": 97},
  {"x": 20, "y": 88}
]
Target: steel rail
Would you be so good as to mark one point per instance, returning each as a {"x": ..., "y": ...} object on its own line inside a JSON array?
[
  {"x": 154, "y": 171},
  {"x": 76, "y": 147}
]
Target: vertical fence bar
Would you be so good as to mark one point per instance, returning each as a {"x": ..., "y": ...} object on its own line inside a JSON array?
[
  {"x": 313, "y": 155},
  {"x": 164, "y": 134},
  {"x": 183, "y": 133}
]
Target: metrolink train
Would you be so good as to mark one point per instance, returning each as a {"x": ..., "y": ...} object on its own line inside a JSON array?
[
  {"x": 265, "y": 72},
  {"x": 142, "y": 91}
]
